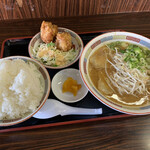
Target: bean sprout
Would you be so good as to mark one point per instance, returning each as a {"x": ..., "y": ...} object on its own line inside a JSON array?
[{"x": 130, "y": 81}]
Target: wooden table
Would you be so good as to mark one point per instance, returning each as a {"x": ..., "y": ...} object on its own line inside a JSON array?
[{"x": 124, "y": 133}]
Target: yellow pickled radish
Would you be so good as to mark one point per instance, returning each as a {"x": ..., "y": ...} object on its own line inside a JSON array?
[{"x": 71, "y": 85}]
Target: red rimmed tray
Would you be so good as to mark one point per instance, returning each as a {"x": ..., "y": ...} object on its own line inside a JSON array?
[{"x": 19, "y": 46}]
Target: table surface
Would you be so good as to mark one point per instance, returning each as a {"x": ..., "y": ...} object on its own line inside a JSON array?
[{"x": 123, "y": 133}]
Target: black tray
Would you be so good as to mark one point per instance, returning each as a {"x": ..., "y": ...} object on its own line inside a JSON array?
[{"x": 19, "y": 46}]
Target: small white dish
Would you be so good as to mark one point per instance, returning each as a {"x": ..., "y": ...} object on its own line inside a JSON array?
[{"x": 59, "y": 79}]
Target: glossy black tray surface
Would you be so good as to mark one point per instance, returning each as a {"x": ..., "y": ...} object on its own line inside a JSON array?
[{"x": 19, "y": 46}]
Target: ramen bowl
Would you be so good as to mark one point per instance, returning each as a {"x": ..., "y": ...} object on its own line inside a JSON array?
[
  {"x": 24, "y": 89},
  {"x": 136, "y": 108},
  {"x": 77, "y": 46}
]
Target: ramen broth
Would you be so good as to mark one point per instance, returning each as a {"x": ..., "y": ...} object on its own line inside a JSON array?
[{"x": 118, "y": 77}]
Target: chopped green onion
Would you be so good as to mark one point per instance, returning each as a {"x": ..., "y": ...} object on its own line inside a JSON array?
[
  {"x": 134, "y": 55},
  {"x": 122, "y": 51}
]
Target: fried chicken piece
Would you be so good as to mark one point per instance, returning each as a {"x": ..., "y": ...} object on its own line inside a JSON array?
[
  {"x": 64, "y": 41},
  {"x": 48, "y": 31}
]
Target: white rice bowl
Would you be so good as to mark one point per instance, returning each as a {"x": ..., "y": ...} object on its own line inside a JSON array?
[{"x": 21, "y": 88}]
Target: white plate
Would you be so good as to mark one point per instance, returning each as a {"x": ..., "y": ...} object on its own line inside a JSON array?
[{"x": 58, "y": 81}]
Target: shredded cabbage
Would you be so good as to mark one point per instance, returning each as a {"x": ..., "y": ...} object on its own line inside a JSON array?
[{"x": 48, "y": 54}]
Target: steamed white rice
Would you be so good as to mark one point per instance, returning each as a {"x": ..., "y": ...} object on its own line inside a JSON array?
[{"x": 21, "y": 88}]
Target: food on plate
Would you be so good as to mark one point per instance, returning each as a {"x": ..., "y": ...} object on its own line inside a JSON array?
[
  {"x": 71, "y": 85},
  {"x": 121, "y": 72},
  {"x": 63, "y": 41},
  {"x": 56, "y": 49},
  {"x": 48, "y": 31},
  {"x": 21, "y": 88},
  {"x": 49, "y": 54}
]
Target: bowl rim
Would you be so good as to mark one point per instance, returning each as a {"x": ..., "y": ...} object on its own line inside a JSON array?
[
  {"x": 61, "y": 67},
  {"x": 45, "y": 98},
  {"x": 89, "y": 86}
]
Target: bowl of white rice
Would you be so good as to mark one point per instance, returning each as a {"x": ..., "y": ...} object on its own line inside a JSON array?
[{"x": 24, "y": 88}]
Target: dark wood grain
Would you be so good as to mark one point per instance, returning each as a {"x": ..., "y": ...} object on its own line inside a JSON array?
[
  {"x": 21, "y": 9},
  {"x": 130, "y": 133},
  {"x": 133, "y": 22}
]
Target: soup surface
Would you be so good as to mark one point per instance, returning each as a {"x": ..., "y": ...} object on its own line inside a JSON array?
[{"x": 120, "y": 72}]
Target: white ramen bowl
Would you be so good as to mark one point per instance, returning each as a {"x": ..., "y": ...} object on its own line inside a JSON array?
[{"x": 96, "y": 43}]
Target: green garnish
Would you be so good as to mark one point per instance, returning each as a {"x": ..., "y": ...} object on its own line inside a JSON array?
[
  {"x": 114, "y": 45},
  {"x": 122, "y": 51},
  {"x": 73, "y": 50},
  {"x": 54, "y": 65},
  {"x": 50, "y": 44},
  {"x": 134, "y": 55}
]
